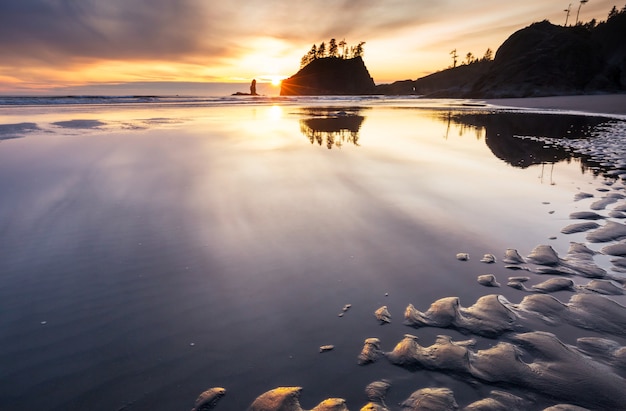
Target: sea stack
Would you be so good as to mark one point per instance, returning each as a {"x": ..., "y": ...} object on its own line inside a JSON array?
[{"x": 330, "y": 76}]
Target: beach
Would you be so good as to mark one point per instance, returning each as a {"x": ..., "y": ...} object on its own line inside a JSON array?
[
  {"x": 155, "y": 249},
  {"x": 603, "y": 104}
]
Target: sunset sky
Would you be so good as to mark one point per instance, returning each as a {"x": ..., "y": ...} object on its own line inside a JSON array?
[{"x": 57, "y": 45}]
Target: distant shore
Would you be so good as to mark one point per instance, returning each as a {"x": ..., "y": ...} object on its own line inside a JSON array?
[{"x": 605, "y": 103}]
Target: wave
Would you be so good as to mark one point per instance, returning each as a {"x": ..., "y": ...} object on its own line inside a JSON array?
[{"x": 157, "y": 99}]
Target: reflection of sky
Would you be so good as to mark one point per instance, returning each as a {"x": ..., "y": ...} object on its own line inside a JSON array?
[
  {"x": 420, "y": 165},
  {"x": 225, "y": 228},
  {"x": 455, "y": 179},
  {"x": 411, "y": 157}
]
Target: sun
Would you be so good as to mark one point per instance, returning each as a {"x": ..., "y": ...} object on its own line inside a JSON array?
[
  {"x": 273, "y": 79},
  {"x": 276, "y": 79}
]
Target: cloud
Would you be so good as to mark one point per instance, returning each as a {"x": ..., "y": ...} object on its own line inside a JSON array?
[
  {"x": 313, "y": 21},
  {"x": 48, "y": 40},
  {"x": 54, "y": 30}
]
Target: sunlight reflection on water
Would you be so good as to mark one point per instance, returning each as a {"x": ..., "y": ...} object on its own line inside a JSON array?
[{"x": 244, "y": 230}]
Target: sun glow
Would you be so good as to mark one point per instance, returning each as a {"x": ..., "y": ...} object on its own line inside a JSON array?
[
  {"x": 273, "y": 79},
  {"x": 275, "y": 112}
]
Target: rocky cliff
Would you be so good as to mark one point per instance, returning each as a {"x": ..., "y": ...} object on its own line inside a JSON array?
[
  {"x": 542, "y": 59},
  {"x": 330, "y": 76}
]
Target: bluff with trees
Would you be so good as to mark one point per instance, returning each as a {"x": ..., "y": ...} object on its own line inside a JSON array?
[
  {"x": 453, "y": 82},
  {"x": 333, "y": 69},
  {"x": 542, "y": 59}
]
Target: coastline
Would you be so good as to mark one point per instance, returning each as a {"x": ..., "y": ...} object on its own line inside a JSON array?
[{"x": 601, "y": 104}]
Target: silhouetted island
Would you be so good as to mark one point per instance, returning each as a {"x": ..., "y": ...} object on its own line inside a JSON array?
[
  {"x": 330, "y": 69},
  {"x": 330, "y": 76}
]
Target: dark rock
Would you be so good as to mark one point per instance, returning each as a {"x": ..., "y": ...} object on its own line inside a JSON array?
[
  {"x": 330, "y": 76},
  {"x": 252, "y": 90},
  {"x": 542, "y": 59}
]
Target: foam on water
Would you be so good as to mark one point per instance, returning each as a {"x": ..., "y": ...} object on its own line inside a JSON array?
[{"x": 606, "y": 147}]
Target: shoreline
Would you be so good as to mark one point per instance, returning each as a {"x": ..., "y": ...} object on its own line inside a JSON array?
[{"x": 600, "y": 104}]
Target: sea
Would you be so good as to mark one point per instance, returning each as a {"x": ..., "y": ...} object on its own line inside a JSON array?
[{"x": 458, "y": 254}]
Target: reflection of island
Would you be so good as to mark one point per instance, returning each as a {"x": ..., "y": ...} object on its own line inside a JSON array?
[
  {"x": 503, "y": 132},
  {"x": 332, "y": 127}
]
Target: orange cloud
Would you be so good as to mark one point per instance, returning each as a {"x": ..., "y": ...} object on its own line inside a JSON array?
[{"x": 47, "y": 42}]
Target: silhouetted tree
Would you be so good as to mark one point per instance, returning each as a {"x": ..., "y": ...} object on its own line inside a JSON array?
[
  {"x": 614, "y": 12},
  {"x": 454, "y": 57},
  {"x": 321, "y": 50},
  {"x": 332, "y": 48},
  {"x": 488, "y": 55},
  {"x": 590, "y": 25},
  {"x": 342, "y": 44},
  {"x": 358, "y": 50},
  {"x": 304, "y": 60},
  {"x": 469, "y": 58},
  {"x": 318, "y": 52},
  {"x": 578, "y": 12}
]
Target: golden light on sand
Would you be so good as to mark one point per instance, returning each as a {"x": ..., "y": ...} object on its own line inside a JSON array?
[{"x": 275, "y": 112}]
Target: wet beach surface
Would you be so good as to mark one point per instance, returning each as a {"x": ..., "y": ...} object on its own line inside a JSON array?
[{"x": 150, "y": 253}]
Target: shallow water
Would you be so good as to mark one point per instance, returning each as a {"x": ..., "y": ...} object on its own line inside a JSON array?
[{"x": 152, "y": 252}]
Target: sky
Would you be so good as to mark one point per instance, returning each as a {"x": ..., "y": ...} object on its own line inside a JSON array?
[{"x": 56, "y": 46}]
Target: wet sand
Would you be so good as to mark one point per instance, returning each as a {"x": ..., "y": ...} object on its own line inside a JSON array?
[
  {"x": 604, "y": 104},
  {"x": 150, "y": 254}
]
